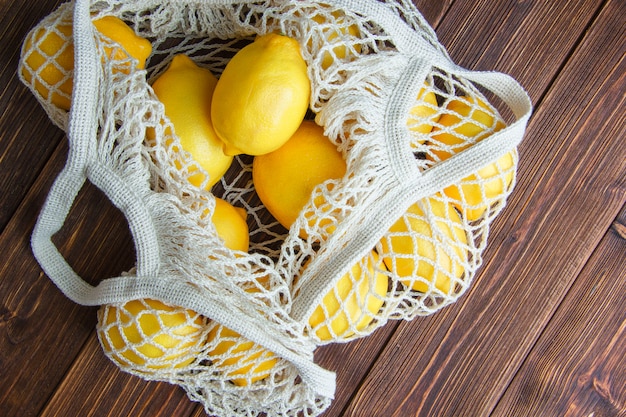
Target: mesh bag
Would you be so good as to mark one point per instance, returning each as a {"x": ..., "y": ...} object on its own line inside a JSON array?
[{"x": 431, "y": 157}]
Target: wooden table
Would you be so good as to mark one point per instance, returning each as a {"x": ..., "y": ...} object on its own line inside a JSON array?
[{"x": 541, "y": 332}]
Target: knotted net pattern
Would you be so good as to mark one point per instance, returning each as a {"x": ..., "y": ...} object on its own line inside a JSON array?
[{"x": 380, "y": 243}]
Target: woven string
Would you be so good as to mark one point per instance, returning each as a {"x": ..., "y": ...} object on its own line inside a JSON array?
[{"x": 363, "y": 101}]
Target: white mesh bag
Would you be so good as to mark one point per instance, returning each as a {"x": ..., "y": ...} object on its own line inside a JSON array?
[{"x": 431, "y": 158}]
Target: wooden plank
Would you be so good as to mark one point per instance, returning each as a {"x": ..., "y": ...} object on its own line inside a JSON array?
[
  {"x": 535, "y": 254},
  {"x": 41, "y": 331},
  {"x": 500, "y": 19},
  {"x": 85, "y": 357},
  {"x": 112, "y": 392},
  {"x": 433, "y": 11},
  {"x": 527, "y": 39},
  {"x": 577, "y": 366},
  {"x": 416, "y": 343},
  {"x": 22, "y": 120}
]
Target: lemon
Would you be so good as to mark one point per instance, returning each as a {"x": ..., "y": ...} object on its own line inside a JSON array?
[
  {"x": 49, "y": 56},
  {"x": 425, "y": 113},
  {"x": 186, "y": 90},
  {"x": 285, "y": 178},
  {"x": 342, "y": 306},
  {"x": 472, "y": 195},
  {"x": 334, "y": 30},
  {"x": 262, "y": 96},
  {"x": 230, "y": 224},
  {"x": 148, "y": 335},
  {"x": 145, "y": 330},
  {"x": 235, "y": 355},
  {"x": 414, "y": 252},
  {"x": 121, "y": 34},
  {"x": 240, "y": 360}
]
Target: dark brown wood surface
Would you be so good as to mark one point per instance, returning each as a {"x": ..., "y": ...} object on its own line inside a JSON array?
[{"x": 541, "y": 332}]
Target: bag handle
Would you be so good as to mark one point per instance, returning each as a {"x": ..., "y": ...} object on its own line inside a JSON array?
[
  {"x": 71, "y": 179},
  {"x": 409, "y": 183},
  {"x": 83, "y": 165},
  {"x": 171, "y": 290}
]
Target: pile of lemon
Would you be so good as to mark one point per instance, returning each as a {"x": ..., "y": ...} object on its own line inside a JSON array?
[{"x": 257, "y": 107}]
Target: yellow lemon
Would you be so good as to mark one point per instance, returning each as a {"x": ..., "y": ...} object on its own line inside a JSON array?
[
  {"x": 49, "y": 56},
  {"x": 236, "y": 355},
  {"x": 230, "y": 224},
  {"x": 335, "y": 30},
  {"x": 121, "y": 34},
  {"x": 285, "y": 178},
  {"x": 413, "y": 251},
  {"x": 147, "y": 335},
  {"x": 472, "y": 195},
  {"x": 342, "y": 306},
  {"x": 242, "y": 361},
  {"x": 262, "y": 96},
  {"x": 143, "y": 330},
  {"x": 423, "y": 115},
  {"x": 186, "y": 90}
]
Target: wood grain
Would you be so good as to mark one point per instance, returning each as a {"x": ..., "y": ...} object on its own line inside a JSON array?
[
  {"x": 433, "y": 11},
  {"x": 541, "y": 331},
  {"x": 577, "y": 366},
  {"x": 26, "y": 134},
  {"x": 95, "y": 386},
  {"x": 38, "y": 324},
  {"x": 527, "y": 39},
  {"x": 534, "y": 255}
]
